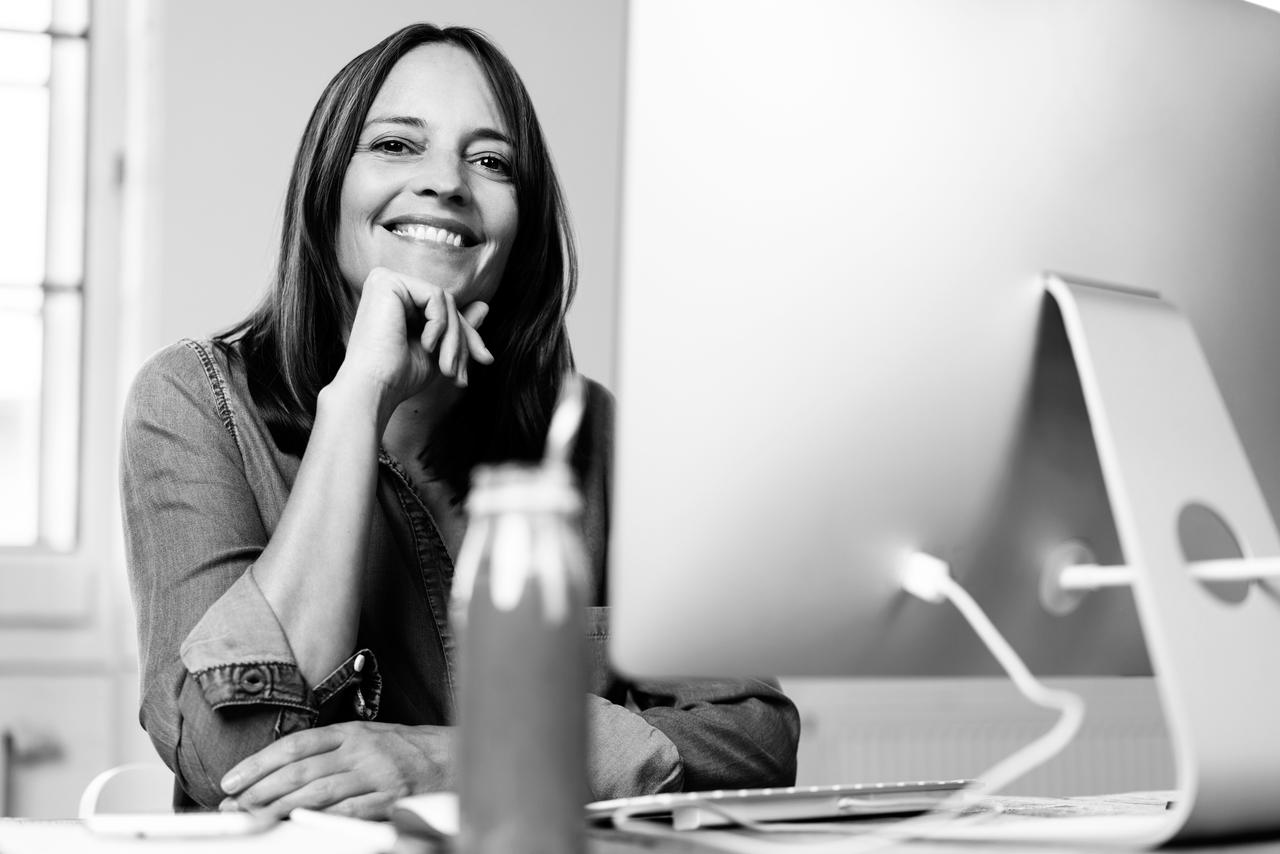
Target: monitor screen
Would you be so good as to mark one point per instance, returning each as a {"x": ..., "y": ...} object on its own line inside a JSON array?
[{"x": 834, "y": 344}]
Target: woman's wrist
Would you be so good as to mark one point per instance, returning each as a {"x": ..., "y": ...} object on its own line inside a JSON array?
[{"x": 349, "y": 393}]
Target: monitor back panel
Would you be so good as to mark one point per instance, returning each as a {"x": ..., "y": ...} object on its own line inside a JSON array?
[{"x": 833, "y": 345}]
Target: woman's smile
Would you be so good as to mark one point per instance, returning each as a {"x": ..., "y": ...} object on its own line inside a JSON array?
[
  {"x": 427, "y": 234},
  {"x": 444, "y": 232}
]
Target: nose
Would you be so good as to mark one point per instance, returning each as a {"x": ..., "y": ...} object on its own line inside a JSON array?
[{"x": 442, "y": 174}]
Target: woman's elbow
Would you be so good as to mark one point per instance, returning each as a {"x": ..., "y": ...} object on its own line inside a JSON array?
[
  {"x": 212, "y": 741},
  {"x": 777, "y": 742}
]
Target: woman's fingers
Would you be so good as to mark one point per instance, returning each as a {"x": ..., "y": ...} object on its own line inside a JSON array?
[
  {"x": 306, "y": 782},
  {"x": 373, "y": 806},
  {"x": 448, "y": 337},
  {"x": 474, "y": 315},
  {"x": 279, "y": 754},
  {"x": 436, "y": 312},
  {"x": 372, "y": 765},
  {"x": 451, "y": 347},
  {"x": 455, "y": 340},
  {"x": 321, "y": 792}
]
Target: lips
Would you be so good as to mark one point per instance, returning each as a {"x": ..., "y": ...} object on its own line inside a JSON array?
[{"x": 432, "y": 230}]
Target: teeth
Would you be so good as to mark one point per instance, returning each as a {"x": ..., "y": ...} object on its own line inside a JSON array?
[{"x": 427, "y": 233}]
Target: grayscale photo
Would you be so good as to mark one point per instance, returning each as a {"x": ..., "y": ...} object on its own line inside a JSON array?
[{"x": 600, "y": 426}]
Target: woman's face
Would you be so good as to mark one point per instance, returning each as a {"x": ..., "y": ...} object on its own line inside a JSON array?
[{"x": 429, "y": 189}]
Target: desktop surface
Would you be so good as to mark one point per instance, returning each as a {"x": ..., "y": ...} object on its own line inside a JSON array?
[{"x": 19, "y": 836}]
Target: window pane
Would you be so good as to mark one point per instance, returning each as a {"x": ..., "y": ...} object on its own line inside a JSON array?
[
  {"x": 21, "y": 344},
  {"x": 24, "y": 156},
  {"x": 26, "y": 14},
  {"x": 60, "y": 420},
  {"x": 70, "y": 16},
  {"x": 24, "y": 58},
  {"x": 65, "y": 241}
]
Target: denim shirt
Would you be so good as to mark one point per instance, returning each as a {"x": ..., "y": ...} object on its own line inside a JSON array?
[{"x": 203, "y": 487}]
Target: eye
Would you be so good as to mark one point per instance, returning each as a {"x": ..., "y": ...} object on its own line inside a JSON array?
[
  {"x": 392, "y": 145},
  {"x": 494, "y": 164}
]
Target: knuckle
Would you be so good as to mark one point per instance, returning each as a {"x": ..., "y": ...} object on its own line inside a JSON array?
[
  {"x": 377, "y": 807},
  {"x": 323, "y": 791},
  {"x": 345, "y": 808},
  {"x": 294, "y": 776}
]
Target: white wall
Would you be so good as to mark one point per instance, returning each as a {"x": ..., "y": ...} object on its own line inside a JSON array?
[{"x": 226, "y": 91}]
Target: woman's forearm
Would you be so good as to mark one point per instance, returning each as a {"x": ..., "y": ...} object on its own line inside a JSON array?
[{"x": 310, "y": 571}]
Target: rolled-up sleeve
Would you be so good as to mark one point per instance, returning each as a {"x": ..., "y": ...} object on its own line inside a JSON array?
[
  {"x": 693, "y": 735},
  {"x": 730, "y": 733},
  {"x": 626, "y": 755},
  {"x": 219, "y": 679}
]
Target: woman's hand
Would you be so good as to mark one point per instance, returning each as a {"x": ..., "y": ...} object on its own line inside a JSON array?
[
  {"x": 408, "y": 332},
  {"x": 357, "y": 769}
]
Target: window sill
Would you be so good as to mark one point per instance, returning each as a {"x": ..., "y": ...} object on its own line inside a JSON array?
[{"x": 45, "y": 588}]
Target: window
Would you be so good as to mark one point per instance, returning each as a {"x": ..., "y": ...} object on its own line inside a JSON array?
[{"x": 43, "y": 153}]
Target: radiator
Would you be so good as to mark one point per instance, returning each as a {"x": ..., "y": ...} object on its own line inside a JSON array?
[{"x": 874, "y": 730}]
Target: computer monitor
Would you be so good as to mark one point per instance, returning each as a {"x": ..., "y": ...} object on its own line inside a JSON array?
[
  {"x": 834, "y": 342},
  {"x": 836, "y": 348}
]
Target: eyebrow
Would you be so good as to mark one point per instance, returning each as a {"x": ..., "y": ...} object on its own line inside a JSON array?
[{"x": 418, "y": 124}]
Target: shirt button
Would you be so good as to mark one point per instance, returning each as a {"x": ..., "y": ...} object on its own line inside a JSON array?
[
  {"x": 358, "y": 664},
  {"x": 253, "y": 680}
]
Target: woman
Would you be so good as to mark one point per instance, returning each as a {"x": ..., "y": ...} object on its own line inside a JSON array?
[{"x": 292, "y": 490}]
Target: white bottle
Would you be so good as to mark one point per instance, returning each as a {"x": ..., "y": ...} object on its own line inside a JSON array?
[{"x": 519, "y": 596}]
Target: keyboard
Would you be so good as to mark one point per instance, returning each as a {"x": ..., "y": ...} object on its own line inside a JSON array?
[{"x": 693, "y": 810}]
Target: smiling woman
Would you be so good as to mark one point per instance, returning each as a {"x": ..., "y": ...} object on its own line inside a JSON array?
[{"x": 293, "y": 488}]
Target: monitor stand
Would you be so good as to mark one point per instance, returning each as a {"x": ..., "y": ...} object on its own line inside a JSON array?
[{"x": 1170, "y": 456}]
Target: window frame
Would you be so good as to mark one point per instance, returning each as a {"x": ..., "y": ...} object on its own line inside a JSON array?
[{"x": 41, "y": 586}]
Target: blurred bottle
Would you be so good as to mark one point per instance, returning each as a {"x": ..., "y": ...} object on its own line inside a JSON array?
[{"x": 519, "y": 594}]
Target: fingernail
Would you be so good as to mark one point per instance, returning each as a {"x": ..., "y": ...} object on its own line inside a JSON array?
[
  {"x": 228, "y": 805},
  {"x": 231, "y": 782}
]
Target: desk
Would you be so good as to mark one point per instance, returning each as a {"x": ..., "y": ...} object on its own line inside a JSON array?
[
  {"x": 1137, "y": 803},
  {"x": 21, "y": 836},
  {"x": 56, "y": 837}
]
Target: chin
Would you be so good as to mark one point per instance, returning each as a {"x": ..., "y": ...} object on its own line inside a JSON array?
[{"x": 452, "y": 278}]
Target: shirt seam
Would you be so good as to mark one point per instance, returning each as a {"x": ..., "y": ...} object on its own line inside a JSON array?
[
  {"x": 218, "y": 386},
  {"x": 264, "y": 701},
  {"x": 433, "y": 532},
  {"x": 214, "y": 667},
  {"x": 400, "y": 472}
]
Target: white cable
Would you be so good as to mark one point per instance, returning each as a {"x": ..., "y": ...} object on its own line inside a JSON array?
[
  {"x": 929, "y": 579},
  {"x": 93, "y": 792},
  {"x": 1069, "y": 705}
]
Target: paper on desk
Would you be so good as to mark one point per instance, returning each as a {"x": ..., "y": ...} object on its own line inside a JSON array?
[{"x": 30, "y": 836}]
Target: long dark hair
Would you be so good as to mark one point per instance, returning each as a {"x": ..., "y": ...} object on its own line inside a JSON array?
[{"x": 292, "y": 344}]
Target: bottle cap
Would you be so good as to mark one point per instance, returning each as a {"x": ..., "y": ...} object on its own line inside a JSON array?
[{"x": 522, "y": 487}]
